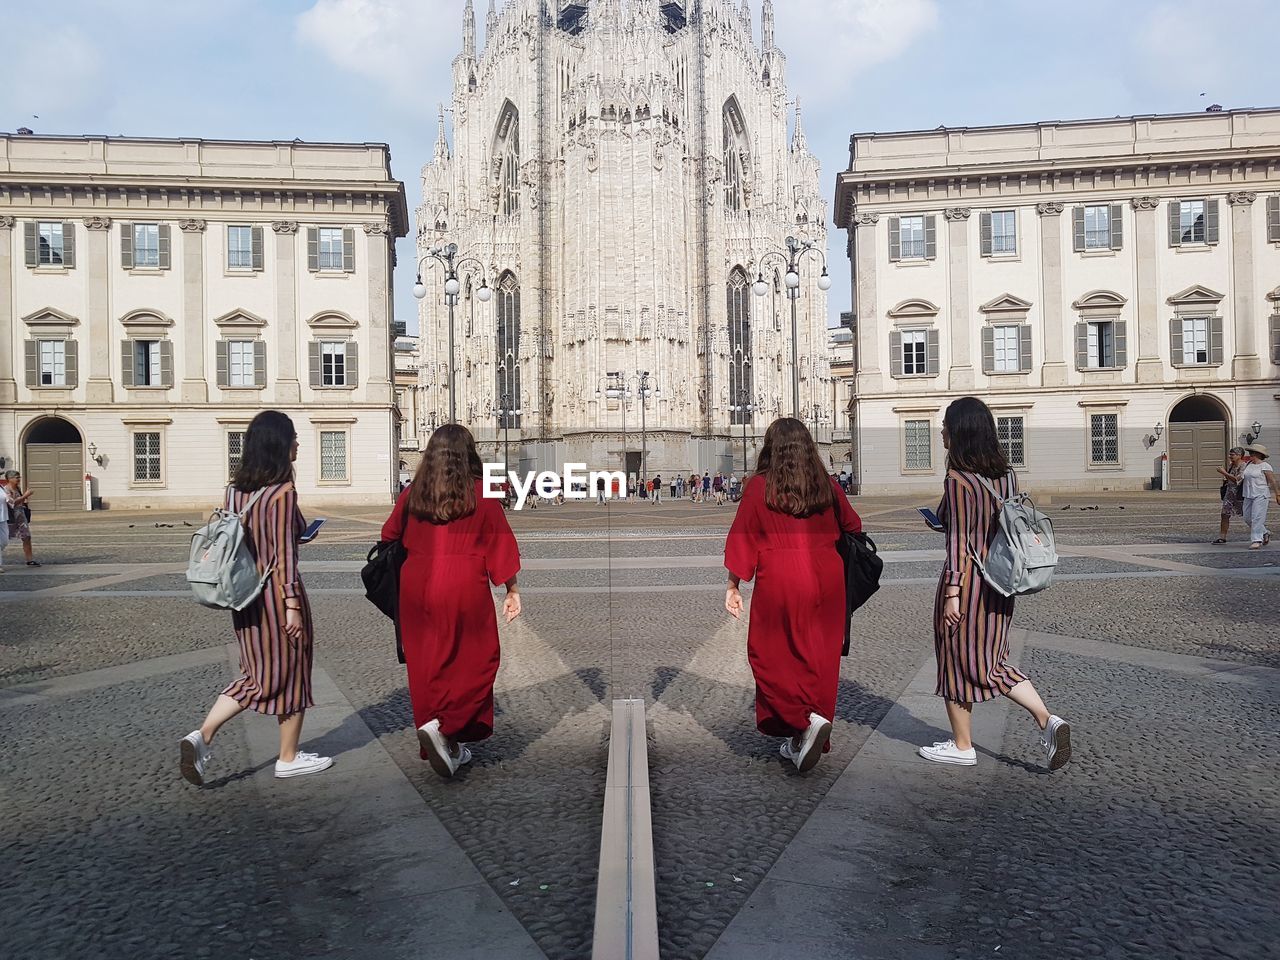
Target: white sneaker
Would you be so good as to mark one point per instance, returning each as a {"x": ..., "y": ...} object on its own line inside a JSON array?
[
  {"x": 946, "y": 752},
  {"x": 812, "y": 743},
  {"x": 433, "y": 741},
  {"x": 464, "y": 755},
  {"x": 302, "y": 764},
  {"x": 194, "y": 756},
  {"x": 1056, "y": 740}
]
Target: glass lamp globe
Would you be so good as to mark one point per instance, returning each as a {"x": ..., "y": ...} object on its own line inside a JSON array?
[
  {"x": 760, "y": 288},
  {"x": 452, "y": 286},
  {"x": 793, "y": 279},
  {"x": 419, "y": 290},
  {"x": 484, "y": 293},
  {"x": 824, "y": 281}
]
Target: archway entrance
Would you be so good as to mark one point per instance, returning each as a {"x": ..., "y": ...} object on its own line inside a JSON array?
[
  {"x": 1197, "y": 443},
  {"x": 54, "y": 463}
]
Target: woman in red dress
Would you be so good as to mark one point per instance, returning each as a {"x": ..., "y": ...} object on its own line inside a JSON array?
[
  {"x": 458, "y": 542},
  {"x": 784, "y": 535}
]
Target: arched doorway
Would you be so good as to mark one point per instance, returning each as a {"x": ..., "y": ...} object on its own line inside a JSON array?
[
  {"x": 53, "y": 454},
  {"x": 1197, "y": 443}
]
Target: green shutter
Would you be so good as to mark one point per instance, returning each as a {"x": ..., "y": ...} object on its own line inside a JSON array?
[
  {"x": 73, "y": 364},
  {"x": 353, "y": 364},
  {"x": 1211, "y": 221},
  {"x": 313, "y": 362},
  {"x": 221, "y": 350},
  {"x": 1215, "y": 341},
  {"x": 930, "y": 237},
  {"x": 255, "y": 234},
  {"x": 1082, "y": 346},
  {"x": 1273, "y": 219},
  {"x": 1077, "y": 229},
  {"x": 69, "y": 245},
  {"x": 1117, "y": 226},
  {"x": 895, "y": 353},
  {"x": 1175, "y": 341},
  {"x": 931, "y": 352},
  {"x": 1275, "y": 338},
  {"x": 31, "y": 349},
  {"x": 348, "y": 249},
  {"x": 126, "y": 363},
  {"x": 1120, "y": 334},
  {"x": 259, "y": 363},
  {"x": 1175, "y": 229},
  {"x": 1024, "y": 348},
  {"x": 984, "y": 234},
  {"x": 163, "y": 232},
  {"x": 126, "y": 245},
  {"x": 895, "y": 239},
  {"x": 313, "y": 249},
  {"x": 988, "y": 350},
  {"x": 166, "y": 363},
  {"x": 31, "y": 243}
]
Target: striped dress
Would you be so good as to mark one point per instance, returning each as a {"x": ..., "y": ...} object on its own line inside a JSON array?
[
  {"x": 973, "y": 656},
  {"x": 275, "y": 671}
]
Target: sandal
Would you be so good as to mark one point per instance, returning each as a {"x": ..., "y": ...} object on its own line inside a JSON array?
[
  {"x": 1219, "y": 540},
  {"x": 33, "y": 563}
]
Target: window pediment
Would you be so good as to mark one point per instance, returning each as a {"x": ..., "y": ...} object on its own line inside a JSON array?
[
  {"x": 1007, "y": 306},
  {"x": 331, "y": 320},
  {"x": 50, "y": 318},
  {"x": 239, "y": 319},
  {"x": 1100, "y": 303},
  {"x": 1274, "y": 297},
  {"x": 1196, "y": 296},
  {"x": 914, "y": 311},
  {"x": 148, "y": 319}
]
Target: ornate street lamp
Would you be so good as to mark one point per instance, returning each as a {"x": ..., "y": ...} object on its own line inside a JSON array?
[
  {"x": 796, "y": 251},
  {"x": 446, "y": 255}
]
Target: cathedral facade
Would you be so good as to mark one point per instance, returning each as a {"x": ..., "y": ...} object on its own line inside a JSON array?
[{"x": 620, "y": 187}]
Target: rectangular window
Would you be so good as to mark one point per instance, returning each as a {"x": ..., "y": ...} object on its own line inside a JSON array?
[
  {"x": 241, "y": 364},
  {"x": 239, "y": 248},
  {"x": 146, "y": 363},
  {"x": 919, "y": 445},
  {"x": 50, "y": 245},
  {"x": 1006, "y": 344},
  {"x": 333, "y": 364},
  {"x": 1195, "y": 340},
  {"x": 1191, "y": 221},
  {"x": 914, "y": 360},
  {"x": 1104, "y": 438},
  {"x": 1004, "y": 232},
  {"x": 235, "y": 450},
  {"x": 53, "y": 363},
  {"x": 911, "y": 237},
  {"x": 330, "y": 248},
  {"x": 146, "y": 458},
  {"x": 1010, "y": 432},
  {"x": 1102, "y": 344},
  {"x": 333, "y": 455},
  {"x": 1097, "y": 228},
  {"x": 146, "y": 245}
]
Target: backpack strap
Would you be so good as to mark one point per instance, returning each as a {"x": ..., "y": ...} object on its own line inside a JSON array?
[{"x": 257, "y": 495}]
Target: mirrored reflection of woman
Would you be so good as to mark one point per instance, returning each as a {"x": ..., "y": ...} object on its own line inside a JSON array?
[
  {"x": 784, "y": 536},
  {"x": 458, "y": 542}
]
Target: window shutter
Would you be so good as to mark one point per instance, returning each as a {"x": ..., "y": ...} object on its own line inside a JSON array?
[
  {"x": 1120, "y": 334},
  {"x": 930, "y": 237},
  {"x": 30, "y": 246},
  {"x": 1082, "y": 346},
  {"x": 1211, "y": 221},
  {"x": 984, "y": 234},
  {"x": 259, "y": 363},
  {"x": 72, "y": 349},
  {"x": 1024, "y": 348},
  {"x": 313, "y": 361},
  {"x": 126, "y": 363},
  {"x": 1273, "y": 219},
  {"x": 988, "y": 350},
  {"x": 895, "y": 353},
  {"x": 69, "y": 245},
  {"x": 1175, "y": 229},
  {"x": 1077, "y": 229},
  {"x": 313, "y": 249},
  {"x": 1117, "y": 226},
  {"x": 255, "y": 234},
  {"x": 931, "y": 353},
  {"x": 353, "y": 364},
  {"x": 348, "y": 249},
  {"x": 1215, "y": 340},
  {"x": 1275, "y": 339},
  {"x": 222, "y": 350},
  {"x": 166, "y": 363},
  {"x": 32, "y": 350},
  {"x": 895, "y": 240},
  {"x": 126, "y": 245},
  {"x": 1175, "y": 341},
  {"x": 163, "y": 232}
]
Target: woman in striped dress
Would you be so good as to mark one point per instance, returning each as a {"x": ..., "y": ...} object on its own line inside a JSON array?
[
  {"x": 275, "y": 631},
  {"x": 971, "y": 620}
]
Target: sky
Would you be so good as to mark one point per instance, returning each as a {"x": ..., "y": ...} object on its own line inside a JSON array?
[{"x": 374, "y": 70}]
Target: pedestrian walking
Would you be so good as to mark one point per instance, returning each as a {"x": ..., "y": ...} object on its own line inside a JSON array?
[
  {"x": 733, "y": 487},
  {"x": 706, "y": 487},
  {"x": 275, "y": 631},
  {"x": 674, "y": 484},
  {"x": 695, "y": 487},
  {"x": 19, "y": 522},
  {"x": 784, "y": 536},
  {"x": 657, "y": 489},
  {"x": 4, "y": 526},
  {"x": 457, "y": 543},
  {"x": 971, "y": 620},
  {"x": 678, "y": 492},
  {"x": 1232, "y": 490},
  {"x": 1259, "y": 487},
  {"x": 717, "y": 486}
]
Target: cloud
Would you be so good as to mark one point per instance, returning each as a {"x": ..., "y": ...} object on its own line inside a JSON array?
[
  {"x": 60, "y": 74},
  {"x": 857, "y": 35}
]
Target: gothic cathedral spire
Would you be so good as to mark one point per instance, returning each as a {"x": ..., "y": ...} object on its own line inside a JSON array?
[
  {"x": 798, "y": 142},
  {"x": 766, "y": 40},
  {"x": 469, "y": 31},
  {"x": 442, "y": 143},
  {"x": 491, "y": 23}
]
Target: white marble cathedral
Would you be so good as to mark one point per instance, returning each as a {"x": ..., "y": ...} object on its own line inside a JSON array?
[{"x": 620, "y": 177}]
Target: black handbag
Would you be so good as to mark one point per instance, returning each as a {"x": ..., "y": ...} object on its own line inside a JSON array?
[
  {"x": 862, "y": 569},
  {"x": 381, "y": 576}
]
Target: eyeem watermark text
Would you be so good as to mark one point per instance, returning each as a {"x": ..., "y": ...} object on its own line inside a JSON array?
[{"x": 575, "y": 483}]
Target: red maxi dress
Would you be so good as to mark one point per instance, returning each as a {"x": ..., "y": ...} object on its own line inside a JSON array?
[
  {"x": 448, "y": 624},
  {"x": 797, "y": 610}
]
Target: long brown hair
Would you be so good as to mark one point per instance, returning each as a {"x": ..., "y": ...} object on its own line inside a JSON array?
[
  {"x": 444, "y": 487},
  {"x": 972, "y": 443},
  {"x": 266, "y": 455},
  {"x": 796, "y": 482}
]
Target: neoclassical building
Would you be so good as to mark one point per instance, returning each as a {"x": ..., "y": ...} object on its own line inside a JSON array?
[
  {"x": 156, "y": 294},
  {"x": 1111, "y": 288},
  {"x": 621, "y": 175}
]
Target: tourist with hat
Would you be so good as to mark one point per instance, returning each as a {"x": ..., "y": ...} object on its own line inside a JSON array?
[{"x": 1260, "y": 486}]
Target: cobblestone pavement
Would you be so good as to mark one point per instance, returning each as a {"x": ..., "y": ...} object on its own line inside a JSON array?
[{"x": 1159, "y": 840}]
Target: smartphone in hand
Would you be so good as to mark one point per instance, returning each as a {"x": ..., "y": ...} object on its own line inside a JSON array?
[
  {"x": 312, "y": 531},
  {"x": 931, "y": 519}
]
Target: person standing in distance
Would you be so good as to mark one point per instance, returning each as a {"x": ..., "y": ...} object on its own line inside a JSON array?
[
  {"x": 457, "y": 543},
  {"x": 971, "y": 620}
]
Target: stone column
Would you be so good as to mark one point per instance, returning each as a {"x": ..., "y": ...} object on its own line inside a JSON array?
[
  {"x": 1247, "y": 365},
  {"x": 870, "y": 379},
  {"x": 960, "y": 376},
  {"x": 99, "y": 388},
  {"x": 377, "y": 373},
  {"x": 195, "y": 384},
  {"x": 288, "y": 388},
  {"x": 9, "y": 348},
  {"x": 1148, "y": 233},
  {"x": 1054, "y": 373}
]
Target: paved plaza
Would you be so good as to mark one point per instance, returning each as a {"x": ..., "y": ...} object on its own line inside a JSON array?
[{"x": 1160, "y": 839}]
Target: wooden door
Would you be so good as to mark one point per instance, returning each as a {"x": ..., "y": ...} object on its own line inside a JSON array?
[
  {"x": 1196, "y": 450},
  {"x": 55, "y": 473}
]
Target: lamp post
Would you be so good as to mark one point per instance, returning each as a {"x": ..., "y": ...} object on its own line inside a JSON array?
[
  {"x": 796, "y": 251},
  {"x": 446, "y": 254},
  {"x": 645, "y": 391},
  {"x": 746, "y": 408},
  {"x": 505, "y": 413},
  {"x": 617, "y": 390}
]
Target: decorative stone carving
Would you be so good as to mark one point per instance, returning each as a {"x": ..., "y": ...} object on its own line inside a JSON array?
[
  {"x": 866, "y": 219},
  {"x": 1145, "y": 203},
  {"x": 1243, "y": 197},
  {"x": 1050, "y": 208},
  {"x": 192, "y": 226},
  {"x": 97, "y": 223},
  {"x": 377, "y": 228},
  {"x": 284, "y": 226},
  {"x": 6, "y": 223},
  {"x": 955, "y": 214}
]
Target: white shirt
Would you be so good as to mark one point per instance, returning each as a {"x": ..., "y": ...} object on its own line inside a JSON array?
[
  {"x": 4, "y": 504},
  {"x": 1255, "y": 481}
]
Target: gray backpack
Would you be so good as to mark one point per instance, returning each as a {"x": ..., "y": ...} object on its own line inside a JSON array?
[
  {"x": 1023, "y": 555},
  {"x": 221, "y": 570}
]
